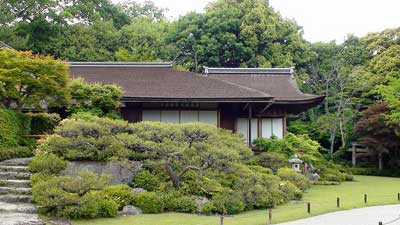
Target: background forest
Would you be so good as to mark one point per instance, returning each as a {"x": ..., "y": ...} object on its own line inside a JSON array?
[{"x": 360, "y": 77}]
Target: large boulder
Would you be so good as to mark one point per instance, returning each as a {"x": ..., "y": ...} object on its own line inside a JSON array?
[
  {"x": 122, "y": 171},
  {"x": 130, "y": 210}
]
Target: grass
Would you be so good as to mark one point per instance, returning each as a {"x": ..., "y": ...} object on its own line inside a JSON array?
[{"x": 380, "y": 191}]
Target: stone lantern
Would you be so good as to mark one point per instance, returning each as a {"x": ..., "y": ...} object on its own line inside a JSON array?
[{"x": 295, "y": 162}]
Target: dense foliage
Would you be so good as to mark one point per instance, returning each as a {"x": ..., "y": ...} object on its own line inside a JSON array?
[
  {"x": 13, "y": 129},
  {"x": 97, "y": 99},
  {"x": 31, "y": 80},
  {"x": 43, "y": 123},
  {"x": 182, "y": 162}
]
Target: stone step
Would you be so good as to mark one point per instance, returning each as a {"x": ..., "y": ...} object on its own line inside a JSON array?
[
  {"x": 15, "y": 183},
  {"x": 19, "y": 219},
  {"x": 16, "y": 198},
  {"x": 17, "y": 207},
  {"x": 15, "y": 176},
  {"x": 15, "y": 191},
  {"x": 14, "y": 168},
  {"x": 16, "y": 162}
]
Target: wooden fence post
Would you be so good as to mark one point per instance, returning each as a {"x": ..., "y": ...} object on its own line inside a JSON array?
[
  {"x": 270, "y": 216},
  {"x": 338, "y": 202},
  {"x": 308, "y": 207},
  {"x": 365, "y": 198},
  {"x": 398, "y": 196}
]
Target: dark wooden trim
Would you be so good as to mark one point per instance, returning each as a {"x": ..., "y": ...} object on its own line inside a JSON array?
[{"x": 250, "y": 120}]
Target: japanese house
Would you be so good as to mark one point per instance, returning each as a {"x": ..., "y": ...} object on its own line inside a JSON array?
[{"x": 252, "y": 101}]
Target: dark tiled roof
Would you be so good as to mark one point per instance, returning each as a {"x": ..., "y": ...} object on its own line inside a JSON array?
[
  {"x": 160, "y": 82},
  {"x": 278, "y": 82}
]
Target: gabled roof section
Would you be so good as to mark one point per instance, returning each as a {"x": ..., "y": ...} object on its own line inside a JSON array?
[
  {"x": 277, "y": 82},
  {"x": 161, "y": 82}
]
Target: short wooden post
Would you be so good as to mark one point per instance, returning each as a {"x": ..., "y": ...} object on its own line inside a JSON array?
[
  {"x": 222, "y": 220},
  {"x": 380, "y": 223},
  {"x": 338, "y": 202},
  {"x": 398, "y": 196},
  {"x": 308, "y": 207},
  {"x": 365, "y": 198},
  {"x": 270, "y": 216}
]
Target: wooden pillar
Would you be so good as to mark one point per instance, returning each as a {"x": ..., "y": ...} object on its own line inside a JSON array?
[
  {"x": 380, "y": 161},
  {"x": 249, "y": 133},
  {"x": 353, "y": 155}
]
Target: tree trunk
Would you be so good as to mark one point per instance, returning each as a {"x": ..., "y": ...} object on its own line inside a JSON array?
[
  {"x": 333, "y": 135},
  {"x": 174, "y": 178}
]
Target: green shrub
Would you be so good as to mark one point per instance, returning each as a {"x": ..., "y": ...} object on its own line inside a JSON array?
[
  {"x": 94, "y": 204},
  {"x": 291, "y": 192},
  {"x": 13, "y": 127},
  {"x": 183, "y": 204},
  {"x": 121, "y": 194},
  {"x": 288, "y": 174},
  {"x": 146, "y": 180},
  {"x": 149, "y": 202},
  {"x": 43, "y": 123},
  {"x": 73, "y": 197},
  {"x": 324, "y": 182},
  {"x": 47, "y": 164},
  {"x": 229, "y": 203},
  {"x": 208, "y": 208},
  {"x": 272, "y": 160},
  {"x": 15, "y": 152}
]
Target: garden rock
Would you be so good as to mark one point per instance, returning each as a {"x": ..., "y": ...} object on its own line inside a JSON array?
[
  {"x": 122, "y": 171},
  {"x": 129, "y": 210},
  {"x": 138, "y": 190},
  {"x": 200, "y": 203}
]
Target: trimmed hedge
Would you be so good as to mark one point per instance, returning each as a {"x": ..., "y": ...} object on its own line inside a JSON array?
[
  {"x": 13, "y": 127},
  {"x": 15, "y": 152}
]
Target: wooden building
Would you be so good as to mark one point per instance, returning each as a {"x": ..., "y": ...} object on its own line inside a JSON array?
[{"x": 252, "y": 101}]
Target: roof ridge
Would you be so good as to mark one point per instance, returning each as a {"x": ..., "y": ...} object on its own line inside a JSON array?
[
  {"x": 226, "y": 70},
  {"x": 125, "y": 64}
]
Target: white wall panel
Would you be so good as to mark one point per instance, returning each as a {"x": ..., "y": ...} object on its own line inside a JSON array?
[
  {"x": 266, "y": 126},
  {"x": 170, "y": 116},
  {"x": 243, "y": 128},
  {"x": 277, "y": 127},
  {"x": 210, "y": 117},
  {"x": 151, "y": 115},
  {"x": 189, "y": 116}
]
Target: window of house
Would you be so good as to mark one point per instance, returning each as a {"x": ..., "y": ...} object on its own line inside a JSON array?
[{"x": 176, "y": 116}]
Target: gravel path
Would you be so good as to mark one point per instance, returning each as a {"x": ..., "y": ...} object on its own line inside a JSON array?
[{"x": 363, "y": 216}]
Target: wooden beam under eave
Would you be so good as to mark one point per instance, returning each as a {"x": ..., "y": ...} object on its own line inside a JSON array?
[{"x": 266, "y": 107}]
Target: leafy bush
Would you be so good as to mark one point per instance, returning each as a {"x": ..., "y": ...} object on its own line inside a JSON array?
[
  {"x": 291, "y": 192},
  {"x": 93, "y": 204},
  {"x": 229, "y": 203},
  {"x": 146, "y": 180},
  {"x": 74, "y": 197},
  {"x": 208, "y": 208},
  {"x": 176, "y": 202},
  {"x": 43, "y": 123},
  {"x": 120, "y": 194},
  {"x": 15, "y": 152},
  {"x": 272, "y": 160},
  {"x": 288, "y": 174},
  {"x": 13, "y": 127},
  {"x": 149, "y": 202},
  {"x": 47, "y": 164}
]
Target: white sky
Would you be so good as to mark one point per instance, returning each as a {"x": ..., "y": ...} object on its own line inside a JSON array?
[{"x": 322, "y": 20}]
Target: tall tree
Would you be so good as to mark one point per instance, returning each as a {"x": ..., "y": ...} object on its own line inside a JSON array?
[{"x": 31, "y": 80}]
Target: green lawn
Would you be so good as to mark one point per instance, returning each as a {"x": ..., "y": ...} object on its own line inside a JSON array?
[{"x": 380, "y": 190}]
